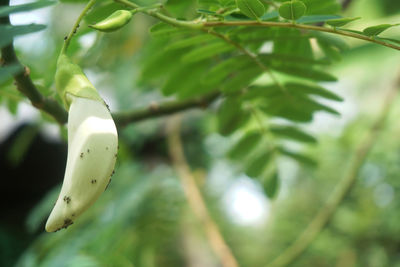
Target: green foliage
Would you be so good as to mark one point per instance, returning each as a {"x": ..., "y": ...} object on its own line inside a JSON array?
[{"x": 271, "y": 83}]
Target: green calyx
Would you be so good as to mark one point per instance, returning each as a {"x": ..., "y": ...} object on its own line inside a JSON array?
[
  {"x": 115, "y": 21},
  {"x": 70, "y": 80}
]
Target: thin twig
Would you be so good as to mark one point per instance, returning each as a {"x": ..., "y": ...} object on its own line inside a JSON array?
[
  {"x": 341, "y": 190},
  {"x": 76, "y": 25},
  {"x": 194, "y": 197}
]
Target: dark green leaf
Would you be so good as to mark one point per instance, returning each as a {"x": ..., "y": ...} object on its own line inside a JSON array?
[
  {"x": 229, "y": 66},
  {"x": 251, "y": 8},
  {"x": 271, "y": 185},
  {"x": 231, "y": 116},
  {"x": 207, "y": 51},
  {"x": 298, "y": 157},
  {"x": 190, "y": 41},
  {"x": 341, "y": 22},
  {"x": 275, "y": 57},
  {"x": 257, "y": 166},
  {"x": 304, "y": 72},
  {"x": 292, "y": 10},
  {"x": 8, "y": 32},
  {"x": 181, "y": 79},
  {"x": 245, "y": 145},
  {"x": 376, "y": 30},
  {"x": 242, "y": 79},
  {"x": 6, "y": 10},
  {"x": 292, "y": 133}
]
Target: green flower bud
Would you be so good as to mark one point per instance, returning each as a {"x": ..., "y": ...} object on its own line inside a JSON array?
[{"x": 115, "y": 21}]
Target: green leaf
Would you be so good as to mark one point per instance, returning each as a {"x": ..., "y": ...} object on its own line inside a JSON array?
[
  {"x": 230, "y": 116},
  {"x": 245, "y": 145},
  {"x": 190, "y": 41},
  {"x": 270, "y": 185},
  {"x": 316, "y": 18},
  {"x": 298, "y": 157},
  {"x": 292, "y": 133},
  {"x": 251, "y": 8},
  {"x": 284, "y": 58},
  {"x": 292, "y": 107},
  {"x": 341, "y": 22},
  {"x": 6, "y": 72},
  {"x": 8, "y": 32},
  {"x": 257, "y": 166},
  {"x": 304, "y": 72},
  {"x": 206, "y": 51},
  {"x": 6, "y": 10},
  {"x": 309, "y": 89},
  {"x": 292, "y": 10},
  {"x": 227, "y": 67},
  {"x": 376, "y": 30},
  {"x": 242, "y": 79},
  {"x": 181, "y": 79}
]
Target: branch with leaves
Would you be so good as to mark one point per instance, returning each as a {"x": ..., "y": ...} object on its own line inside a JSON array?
[{"x": 369, "y": 34}]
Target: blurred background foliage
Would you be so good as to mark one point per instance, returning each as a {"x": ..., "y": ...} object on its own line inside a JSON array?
[{"x": 143, "y": 219}]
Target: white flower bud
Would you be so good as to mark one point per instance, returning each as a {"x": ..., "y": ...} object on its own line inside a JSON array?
[{"x": 92, "y": 152}]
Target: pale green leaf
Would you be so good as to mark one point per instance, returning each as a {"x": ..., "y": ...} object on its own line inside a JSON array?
[{"x": 341, "y": 22}]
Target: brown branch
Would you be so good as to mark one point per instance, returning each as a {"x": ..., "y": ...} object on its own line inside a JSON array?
[
  {"x": 162, "y": 109},
  {"x": 194, "y": 197},
  {"x": 341, "y": 190}
]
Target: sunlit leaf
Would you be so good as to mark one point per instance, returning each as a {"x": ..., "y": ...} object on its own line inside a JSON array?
[
  {"x": 341, "y": 22},
  {"x": 292, "y": 10},
  {"x": 378, "y": 29},
  {"x": 251, "y": 8}
]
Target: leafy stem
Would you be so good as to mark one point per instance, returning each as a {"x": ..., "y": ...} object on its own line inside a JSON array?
[
  {"x": 199, "y": 24},
  {"x": 75, "y": 27}
]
